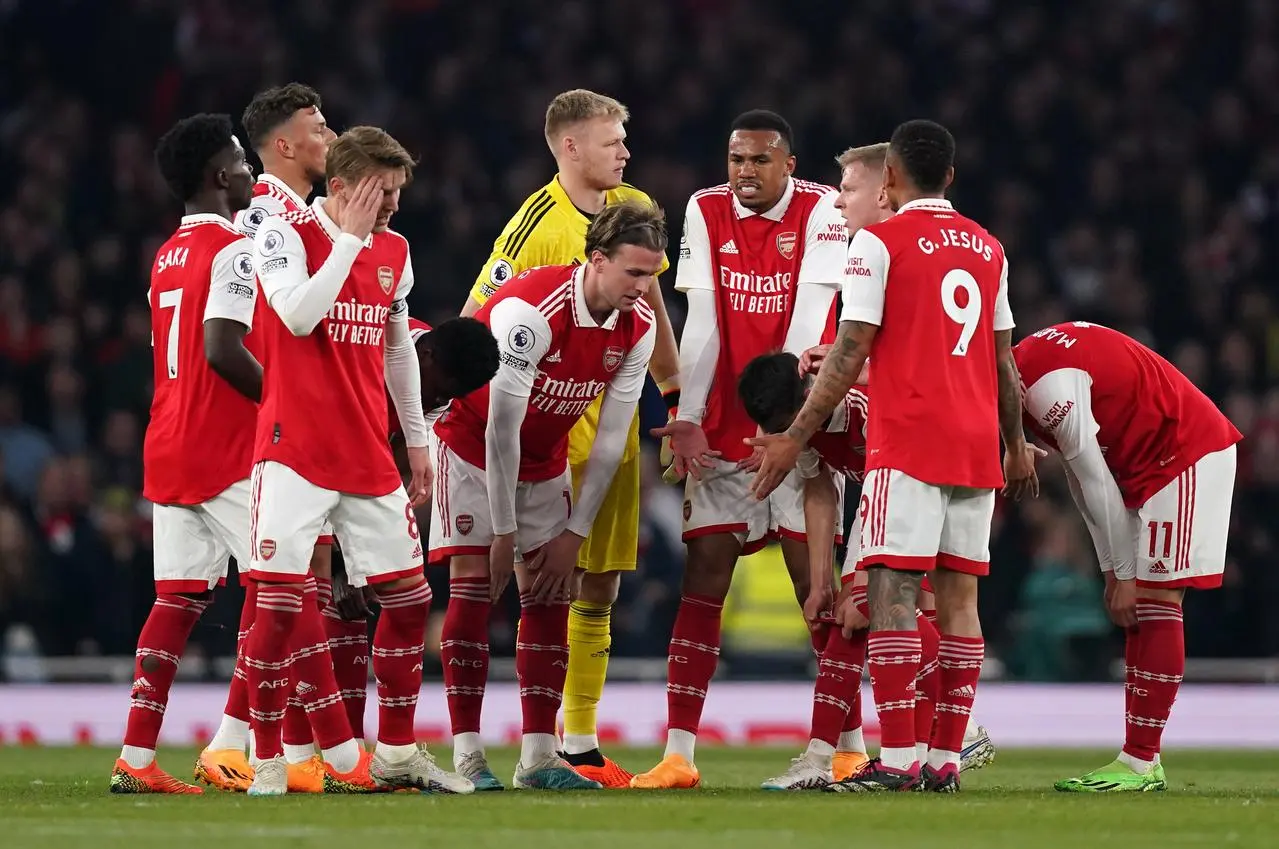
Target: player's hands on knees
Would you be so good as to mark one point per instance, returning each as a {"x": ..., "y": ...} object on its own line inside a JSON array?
[
  {"x": 1019, "y": 471},
  {"x": 553, "y": 568},
  {"x": 421, "y": 475},
  {"x": 501, "y": 564},
  {"x": 780, "y": 451},
  {"x": 689, "y": 448},
  {"x": 847, "y": 616},
  {"x": 751, "y": 463},
  {"x": 359, "y": 213},
  {"x": 1121, "y": 601},
  {"x": 810, "y": 362}
]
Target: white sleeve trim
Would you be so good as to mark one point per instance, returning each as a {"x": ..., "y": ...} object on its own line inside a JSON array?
[
  {"x": 232, "y": 290},
  {"x": 698, "y": 355},
  {"x": 865, "y": 279},
  {"x": 1061, "y": 402},
  {"x": 825, "y": 245},
  {"x": 1003, "y": 312},
  {"x": 694, "y": 269},
  {"x": 302, "y": 301},
  {"x": 809, "y": 318}
]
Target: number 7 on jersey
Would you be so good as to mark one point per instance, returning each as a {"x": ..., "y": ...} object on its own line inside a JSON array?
[{"x": 172, "y": 299}]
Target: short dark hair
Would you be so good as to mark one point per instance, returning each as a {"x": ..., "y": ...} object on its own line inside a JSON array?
[
  {"x": 772, "y": 390},
  {"x": 764, "y": 119},
  {"x": 184, "y": 152},
  {"x": 465, "y": 351},
  {"x": 271, "y": 108},
  {"x": 628, "y": 222},
  {"x": 927, "y": 152}
]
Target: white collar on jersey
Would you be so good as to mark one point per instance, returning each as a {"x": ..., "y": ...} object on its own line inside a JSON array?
[
  {"x": 282, "y": 186},
  {"x": 581, "y": 314},
  {"x": 204, "y": 218},
  {"x": 328, "y": 224},
  {"x": 778, "y": 209},
  {"x": 931, "y": 204}
]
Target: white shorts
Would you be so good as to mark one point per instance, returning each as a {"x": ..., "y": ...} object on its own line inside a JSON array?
[
  {"x": 1181, "y": 531},
  {"x": 380, "y": 539},
  {"x": 916, "y": 526},
  {"x": 192, "y": 543},
  {"x": 721, "y": 503},
  {"x": 461, "y": 522}
]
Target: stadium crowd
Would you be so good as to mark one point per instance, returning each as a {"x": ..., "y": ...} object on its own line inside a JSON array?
[{"x": 1126, "y": 153}]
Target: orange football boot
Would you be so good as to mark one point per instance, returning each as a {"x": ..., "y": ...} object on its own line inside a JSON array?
[
  {"x": 358, "y": 780},
  {"x": 308, "y": 776},
  {"x": 149, "y": 779},
  {"x": 612, "y": 776},
  {"x": 673, "y": 773},
  {"x": 224, "y": 769},
  {"x": 847, "y": 764}
]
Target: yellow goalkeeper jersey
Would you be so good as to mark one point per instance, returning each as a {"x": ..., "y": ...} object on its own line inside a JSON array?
[{"x": 549, "y": 230}]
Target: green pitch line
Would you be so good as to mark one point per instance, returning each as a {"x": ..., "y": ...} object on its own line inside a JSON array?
[{"x": 55, "y": 798}]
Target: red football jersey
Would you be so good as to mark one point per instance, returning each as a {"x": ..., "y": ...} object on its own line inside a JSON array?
[
  {"x": 324, "y": 394},
  {"x": 754, "y": 264},
  {"x": 200, "y": 437},
  {"x": 842, "y": 443},
  {"x": 1152, "y": 423},
  {"x": 936, "y": 285},
  {"x": 546, "y": 326},
  {"x": 271, "y": 196}
]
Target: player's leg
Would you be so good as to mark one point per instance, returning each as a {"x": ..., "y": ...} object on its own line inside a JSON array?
[
  {"x": 383, "y": 547},
  {"x": 461, "y": 533},
  {"x": 541, "y": 648},
  {"x": 610, "y": 550},
  {"x": 222, "y": 763},
  {"x": 901, "y": 523},
  {"x": 718, "y": 512},
  {"x": 189, "y": 562},
  {"x": 963, "y": 557},
  {"x": 850, "y": 750},
  {"x": 348, "y": 638},
  {"x": 978, "y": 749},
  {"x": 287, "y": 513}
]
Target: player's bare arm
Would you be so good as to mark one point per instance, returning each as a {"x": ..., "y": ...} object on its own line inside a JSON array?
[
  {"x": 821, "y": 507},
  {"x": 1019, "y": 457},
  {"x": 839, "y": 371},
  {"x": 893, "y": 596},
  {"x": 230, "y": 360}
]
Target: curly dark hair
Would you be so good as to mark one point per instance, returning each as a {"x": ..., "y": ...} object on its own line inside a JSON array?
[
  {"x": 183, "y": 153},
  {"x": 465, "y": 351},
  {"x": 772, "y": 390},
  {"x": 270, "y": 108},
  {"x": 926, "y": 150}
]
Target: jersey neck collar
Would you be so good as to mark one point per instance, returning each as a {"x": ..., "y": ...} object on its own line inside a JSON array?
[
  {"x": 280, "y": 185},
  {"x": 203, "y": 218},
  {"x": 581, "y": 312},
  {"x": 775, "y": 213},
  {"x": 927, "y": 205}
]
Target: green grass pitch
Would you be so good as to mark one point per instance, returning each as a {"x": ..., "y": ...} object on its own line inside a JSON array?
[{"x": 54, "y": 798}]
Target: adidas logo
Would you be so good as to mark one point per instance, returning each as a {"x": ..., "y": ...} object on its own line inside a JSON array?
[
  {"x": 142, "y": 685},
  {"x": 965, "y": 692},
  {"x": 1159, "y": 568},
  {"x": 304, "y": 688},
  {"x": 729, "y": 247},
  {"x": 553, "y": 358}
]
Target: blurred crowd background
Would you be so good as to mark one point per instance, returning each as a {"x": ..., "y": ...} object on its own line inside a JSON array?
[{"x": 1126, "y": 152}]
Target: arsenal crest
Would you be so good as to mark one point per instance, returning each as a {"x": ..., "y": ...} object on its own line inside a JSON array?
[
  {"x": 786, "y": 244},
  {"x": 266, "y": 549},
  {"x": 464, "y": 522},
  {"x": 386, "y": 277},
  {"x": 613, "y": 357},
  {"x": 688, "y": 510}
]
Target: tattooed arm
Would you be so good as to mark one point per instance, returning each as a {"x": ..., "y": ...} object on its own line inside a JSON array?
[
  {"x": 892, "y": 596},
  {"x": 838, "y": 373},
  {"x": 1009, "y": 392}
]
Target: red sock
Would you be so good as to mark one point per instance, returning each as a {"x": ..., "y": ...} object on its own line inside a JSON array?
[
  {"x": 839, "y": 678},
  {"x": 464, "y": 651},
  {"x": 893, "y": 657},
  {"x": 541, "y": 662},
  {"x": 1132, "y": 653},
  {"x": 266, "y": 660},
  {"x": 398, "y": 644},
  {"x": 349, "y": 648},
  {"x": 694, "y": 654},
  {"x": 314, "y": 684},
  {"x": 960, "y": 659},
  {"x": 928, "y": 680},
  {"x": 237, "y": 697},
  {"x": 160, "y": 647},
  {"x": 297, "y": 728},
  {"x": 1160, "y": 663}
]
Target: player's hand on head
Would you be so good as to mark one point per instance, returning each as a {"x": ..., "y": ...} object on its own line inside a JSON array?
[
  {"x": 553, "y": 568},
  {"x": 688, "y": 445},
  {"x": 810, "y": 362},
  {"x": 1020, "y": 478},
  {"x": 421, "y": 475},
  {"x": 501, "y": 564},
  {"x": 361, "y": 209},
  {"x": 780, "y": 453}
]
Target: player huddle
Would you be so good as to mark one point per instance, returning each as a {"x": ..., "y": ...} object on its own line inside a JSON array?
[{"x": 282, "y": 340}]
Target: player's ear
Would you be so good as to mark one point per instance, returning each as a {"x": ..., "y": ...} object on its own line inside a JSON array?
[
  {"x": 336, "y": 185},
  {"x": 790, "y": 164},
  {"x": 221, "y": 179},
  {"x": 950, "y": 178}
]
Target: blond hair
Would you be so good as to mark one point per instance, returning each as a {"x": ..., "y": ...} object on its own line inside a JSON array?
[
  {"x": 870, "y": 155},
  {"x": 628, "y": 222},
  {"x": 362, "y": 150},
  {"x": 573, "y": 107}
]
